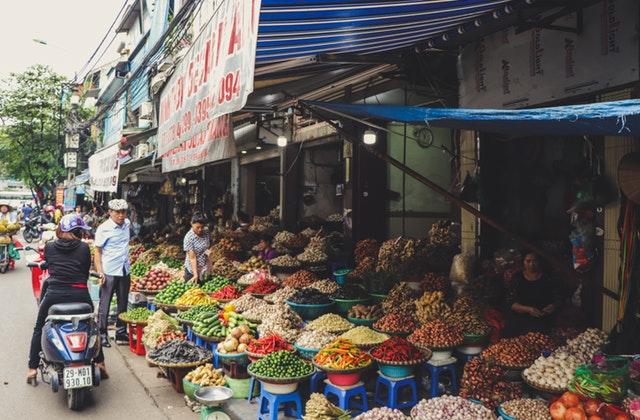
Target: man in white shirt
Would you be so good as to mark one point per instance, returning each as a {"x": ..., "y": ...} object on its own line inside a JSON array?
[{"x": 112, "y": 263}]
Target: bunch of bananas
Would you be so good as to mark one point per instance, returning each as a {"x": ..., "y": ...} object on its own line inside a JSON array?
[
  {"x": 193, "y": 297},
  {"x": 319, "y": 408},
  {"x": 431, "y": 306}
]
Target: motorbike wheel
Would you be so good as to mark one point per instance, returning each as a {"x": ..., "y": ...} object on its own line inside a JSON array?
[
  {"x": 28, "y": 236},
  {"x": 4, "y": 267},
  {"x": 76, "y": 398}
]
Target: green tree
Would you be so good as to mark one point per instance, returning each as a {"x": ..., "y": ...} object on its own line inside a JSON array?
[{"x": 31, "y": 136}]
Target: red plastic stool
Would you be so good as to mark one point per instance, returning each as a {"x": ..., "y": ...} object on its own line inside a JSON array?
[
  {"x": 135, "y": 339},
  {"x": 176, "y": 375}
]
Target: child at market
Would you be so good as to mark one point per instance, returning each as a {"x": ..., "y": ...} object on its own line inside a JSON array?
[{"x": 266, "y": 252}]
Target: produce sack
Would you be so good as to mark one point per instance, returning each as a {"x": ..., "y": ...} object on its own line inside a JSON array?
[
  {"x": 461, "y": 268},
  {"x": 607, "y": 379}
]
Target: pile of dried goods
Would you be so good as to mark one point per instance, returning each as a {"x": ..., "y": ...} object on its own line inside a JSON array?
[
  {"x": 179, "y": 352},
  {"x": 526, "y": 409},
  {"x": 309, "y": 296},
  {"x": 282, "y": 321},
  {"x": 396, "y": 323},
  {"x": 326, "y": 286},
  {"x": 350, "y": 292},
  {"x": 431, "y": 306},
  {"x": 310, "y": 339},
  {"x": 285, "y": 261},
  {"x": 318, "y": 407},
  {"x": 262, "y": 287},
  {"x": 437, "y": 335},
  {"x": 382, "y": 413},
  {"x": 518, "y": 352},
  {"x": 397, "y": 349},
  {"x": 300, "y": 279},
  {"x": 225, "y": 268},
  {"x": 252, "y": 277},
  {"x": 450, "y": 408},
  {"x": 364, "y": 336},
  {"x": 206, "y": 375},
  {"x": 227, "y": 292},
  {"x": 553, "y": 372},
  {"x": 246, "y": 302},
  {"x": 400, "y": 298},
  {"x": 330, "y": 323},
  {"x": 484, "y": 382},
  {"x": 434, "y": 282},
  {"x": 253, "y": 263},
  {"x": 585, "y": 345},
  {"x": 281, "y": 295},
  {"x": 366, "y": 312}
]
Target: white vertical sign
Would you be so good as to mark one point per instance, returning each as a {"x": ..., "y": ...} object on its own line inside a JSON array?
[{"x": 104, "y": 167}]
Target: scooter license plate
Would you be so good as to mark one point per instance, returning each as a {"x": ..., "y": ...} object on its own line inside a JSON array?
[{"x": 77, "y": 377}]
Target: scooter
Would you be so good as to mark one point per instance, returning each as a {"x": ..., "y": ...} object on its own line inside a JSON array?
[
  {"x": 70, "y": 342},
  {"x": 32, "y": 229}
]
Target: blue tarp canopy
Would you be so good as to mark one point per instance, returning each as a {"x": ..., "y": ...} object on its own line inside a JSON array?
[
  {"x": 293, "y": 28},
  {"x": 619, "y": 118}
]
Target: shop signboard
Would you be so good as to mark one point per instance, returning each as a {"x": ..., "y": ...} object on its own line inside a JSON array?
[
  {"x": 69, "y": 199},
  {"x": 59, "y": 196},
  {"x": 509, "y": 70},
  {"x": 103, "y": 169},
  {"x": 215, "y": 144},
  {"x": 214, "y": 78}
]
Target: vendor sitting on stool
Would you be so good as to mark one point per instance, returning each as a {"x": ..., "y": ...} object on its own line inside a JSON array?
[
  {"x": 267, "y": 253},
  {"x": 534, "y": 299}
]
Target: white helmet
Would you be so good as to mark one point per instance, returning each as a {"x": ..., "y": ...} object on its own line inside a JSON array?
[{"x": 118, "y": 204}]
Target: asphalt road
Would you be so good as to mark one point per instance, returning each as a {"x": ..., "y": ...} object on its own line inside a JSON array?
[{"x": 121, "y": 396}]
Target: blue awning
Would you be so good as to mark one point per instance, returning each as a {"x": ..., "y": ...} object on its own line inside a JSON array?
[
  {"x": 619, "y": 118},
  {"x": 292, "y": 28}
]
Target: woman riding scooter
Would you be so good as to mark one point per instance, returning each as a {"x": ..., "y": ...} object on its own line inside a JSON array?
[{"x": 69, "y": 262}]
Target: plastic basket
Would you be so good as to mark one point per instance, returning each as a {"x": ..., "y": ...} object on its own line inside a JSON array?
[
  {"x": 306, "y": 353},
  {"x": 310, "y": 311},
  {"x": 240, "y": 387},
  {"x": 394, "y": 371},
  {"x": 189, "y": 388}
]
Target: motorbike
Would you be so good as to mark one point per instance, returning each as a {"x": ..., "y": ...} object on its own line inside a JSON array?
[
  {"x": 70, "y": 343},
  {"x": 32, "y": 229}
]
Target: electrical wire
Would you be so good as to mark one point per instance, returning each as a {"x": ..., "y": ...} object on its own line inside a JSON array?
[{"x": 115, "y": 20}]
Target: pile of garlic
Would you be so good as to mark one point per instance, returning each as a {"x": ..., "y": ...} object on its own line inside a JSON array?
[{"x": 553, "y": 372}]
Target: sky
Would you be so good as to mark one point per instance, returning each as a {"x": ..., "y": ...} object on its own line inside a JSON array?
[{"x": 71, "y": 28}]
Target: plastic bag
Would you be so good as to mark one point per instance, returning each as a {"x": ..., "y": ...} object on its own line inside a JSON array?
[
  {"x": 607, "y": 379},
  {"x": 461, "y": 268}
]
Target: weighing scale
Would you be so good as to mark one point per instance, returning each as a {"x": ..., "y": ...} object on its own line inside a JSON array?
[{"x": 213, "y": 398}]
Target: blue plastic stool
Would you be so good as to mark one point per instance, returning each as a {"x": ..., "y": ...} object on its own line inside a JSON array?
[
  {"x": 252, "y": 385},
  {"x": 151, "y": 306},
  {"x": 200, "y": 342},
  {"x": 270, "y": 405},
  {"x": 435, "y": 371},
  {"x": 393, "y": 387},
  {"x": 344, "y": 395},
  {"x": 190, "y": 335},
  {"x": 317, "y": 380}
]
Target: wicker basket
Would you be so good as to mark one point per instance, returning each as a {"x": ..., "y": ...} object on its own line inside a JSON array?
[
  {"x": 149, "y": 292},
  {"x": 426, "y": 356},
  {"x": 167, "y": 307},
  {"x": 209, "y": 339},
  {"x": 132, "y": 322},
  {"x": 280, "y": 381},
  {"x": 343, "y": 371},
  {"x": 542, "y": 389},
  {"x": 184, "y": 321},
  {"x": 178, "y": 365}
]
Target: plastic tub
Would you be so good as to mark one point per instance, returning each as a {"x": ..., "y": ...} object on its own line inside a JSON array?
[
  {"x": 306, "y": 353},
  {"x": 395, "y": 371},
  {"x": 378, "y": 297},
  {"x": 240, "y": 387},
  {"x": 344, "y": 379},
  {"x": 279, "y": 388},
  {"x": 189, "y": 388},
  {"x": 344, "y": 305},
  {"x": 310, "y": 311},
  {"x": 341, "y": 275},
  {"x": 360, "y": 321}
]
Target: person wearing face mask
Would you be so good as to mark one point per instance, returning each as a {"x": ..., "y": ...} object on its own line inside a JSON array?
[{"x": 195, "y": 245}]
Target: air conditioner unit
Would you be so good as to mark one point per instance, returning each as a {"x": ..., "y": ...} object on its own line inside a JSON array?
[
  {"x": 144, "y": 123},
  {"x": 141, "y": 150},
  {"x": 146, "y": 109}
]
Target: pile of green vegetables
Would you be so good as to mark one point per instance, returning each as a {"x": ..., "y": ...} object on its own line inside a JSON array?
[
  {"x": 281, "y": 364},
  {"x": 174, "y": 263},
  {"x": 192, "y": 313},
  {"x": 137, "y": 314},
  {"x": 172, "y": 292},
  {"x": 140, "y": 269},
  {"x": 214, "y": 283}
]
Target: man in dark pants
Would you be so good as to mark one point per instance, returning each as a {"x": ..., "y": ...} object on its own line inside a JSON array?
[{"x": 112, "y": 263}]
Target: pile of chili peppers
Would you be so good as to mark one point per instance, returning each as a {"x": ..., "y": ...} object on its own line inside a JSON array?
[
  {"x": 268, "y": 344},
  {"x": 227, "y": 292},
  {"x": 263, "y": 287},
  {"x": 397, "y": 349},
  {"x": 342, "y": 355}
]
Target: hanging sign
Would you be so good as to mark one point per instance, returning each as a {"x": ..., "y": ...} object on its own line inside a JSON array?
[
  {"x": 216, "y": 143},
  {"x": 509, "y": 70},
  {"x": 214, "y": 78},
  {"x": 103, "y": 170}
]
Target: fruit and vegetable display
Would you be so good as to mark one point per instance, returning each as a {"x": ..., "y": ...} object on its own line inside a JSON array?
[
  {"x": 309, "y": 296},
  {"x": 314, "y": 253},
  {"x": 382, "y": 413},
  {"x": 228, "y": 292},
  {"x": 396, "y": 323},
  {"x": 397, "y": 349},
  {"x": 171, "y": 262},
  {"x": 326, "y": 286},
  {"x": 437, "y": 335},
  {"x": 366, "y": 312},
  {"x": 300, "y": 279},
  {"x": 342, "y": 354},
  {"x": 283, "y": 322},
  {"x": 170, "y": 294},
  {"x": 178, "y": 352},
  {"x": 518, "y": 352},
  {"x": 330, "y": 323},
  {"x": 158, "y": 324},
  {"x": 281, "y": 295},
  {"x": 315, "y": 340},
  {"x": 281, "y": 364},
  {"x": 237, "y": 340},
  {"x": 214, "y": 283},
  {"x": 526, "y": 409},
  {"x": 258, "y": 313},
  {"x": 150, "y": 256},
  {"x": 400, "y": 298},
  {"x": 169, "y": 250},
  {"x": 285, "y": 261},
  {"x": 268, "y": 344},
  {"x": 484, "y": 381},
  {"x": 195, "y": 297},
  {"x": 168, "y": 336},
  {"x": 607, "y": 379},
  {"x": 134, "y": 252},
  {"x": 318, "y": 407},
  {"x": 450, "y": 408},
  {"x": 585, "y": 345},
  {"x": 139, "y": 269},
  {"x": 229, "y": 245},
  {"x": 434, "y": 282},
  {"x": 225, "y": 268},
  {"x": 192, "y": 313},
  {"x": 431, "y": 306},
  {"x": 246, "y": 302},
  {"x": 8, "y": 228},
  {"x": 154, "y": 280},
  {"x": 263, "y": 287},
  {"x": 350, "y": 292},
  {"x": 571, "y": 407},
  {"x": 552, "y": 373},
  {"x": 206, "y": 375},
  {"x": 364, "y": 336},
  {"x": 219, "y": 324},
  {"x": 253, "y": 263},
  {"x": 137, "y": 315},
  {"x": 252, "y": 277}
]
